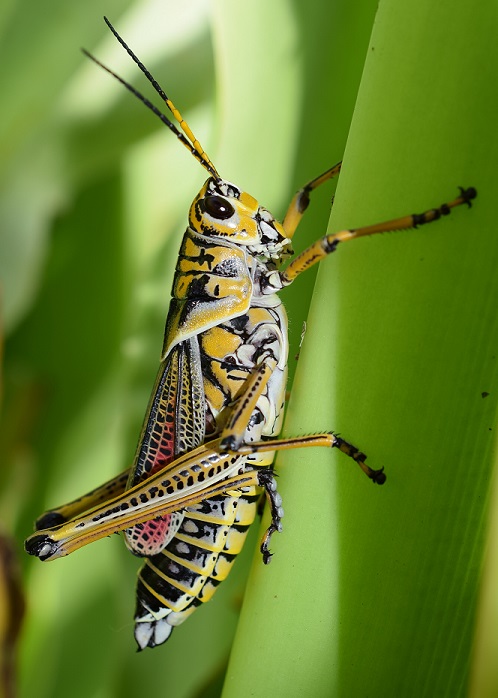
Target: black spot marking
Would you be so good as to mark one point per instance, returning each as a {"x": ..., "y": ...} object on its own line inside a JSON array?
[
  {"x": 303, "y": 200},
  {"x": 239, "y": 323},
  {"x": 330, "y": 247}
]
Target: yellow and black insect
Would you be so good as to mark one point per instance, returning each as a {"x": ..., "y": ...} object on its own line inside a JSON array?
[{"x": 210, "y": 432}]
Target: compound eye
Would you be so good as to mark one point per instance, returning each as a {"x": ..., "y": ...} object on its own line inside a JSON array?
[{"x": 218, "y": 207}]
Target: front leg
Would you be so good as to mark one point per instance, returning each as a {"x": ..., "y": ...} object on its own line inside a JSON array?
[
  {"x": 323, "y": 247},
  {"x": 301, "y": 199}
]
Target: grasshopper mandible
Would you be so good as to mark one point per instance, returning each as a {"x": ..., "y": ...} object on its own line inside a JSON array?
[{"x": 211, "y": 427}]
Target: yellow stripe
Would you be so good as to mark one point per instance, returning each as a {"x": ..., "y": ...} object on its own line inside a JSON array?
[
  {"x": 200, "y": 544},
  {"x": 177, "y": 585},
  {"x": 206, "y": 571},
  {"x": 160, "y": 598}
]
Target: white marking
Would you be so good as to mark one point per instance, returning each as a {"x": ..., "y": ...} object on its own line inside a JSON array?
[
  {"x": 162, "y": 631},
  {"x": 303, "y": 332},
  {"x": 190, "y": 527},
  {"x": 46, "y": 550},
  {"x": 265, "y": 215},
  {"x": 267, "y": 230},
  {"x": 178, "y": 617},
  {"x": 143, "y": 633}
]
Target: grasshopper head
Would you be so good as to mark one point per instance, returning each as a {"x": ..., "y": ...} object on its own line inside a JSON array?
[{"x": 221, "y": 210}]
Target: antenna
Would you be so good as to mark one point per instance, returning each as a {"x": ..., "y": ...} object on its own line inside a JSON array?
[{"x": 189, "y": 140}]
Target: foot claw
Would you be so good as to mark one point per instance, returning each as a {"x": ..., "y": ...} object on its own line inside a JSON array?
[
  {"x": 41, "y": 546},
  {"x": 468, "y": 194},
  {"x": 378, "y": 476}
]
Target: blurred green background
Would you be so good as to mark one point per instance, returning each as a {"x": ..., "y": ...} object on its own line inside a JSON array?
[{"x": 371, "y": 592}]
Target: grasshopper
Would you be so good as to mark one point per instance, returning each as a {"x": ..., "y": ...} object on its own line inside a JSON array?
[{"x": 211, "y": 429}]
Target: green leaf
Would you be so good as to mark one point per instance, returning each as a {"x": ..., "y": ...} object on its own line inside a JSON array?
[{"x": 373, "y": 591}]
